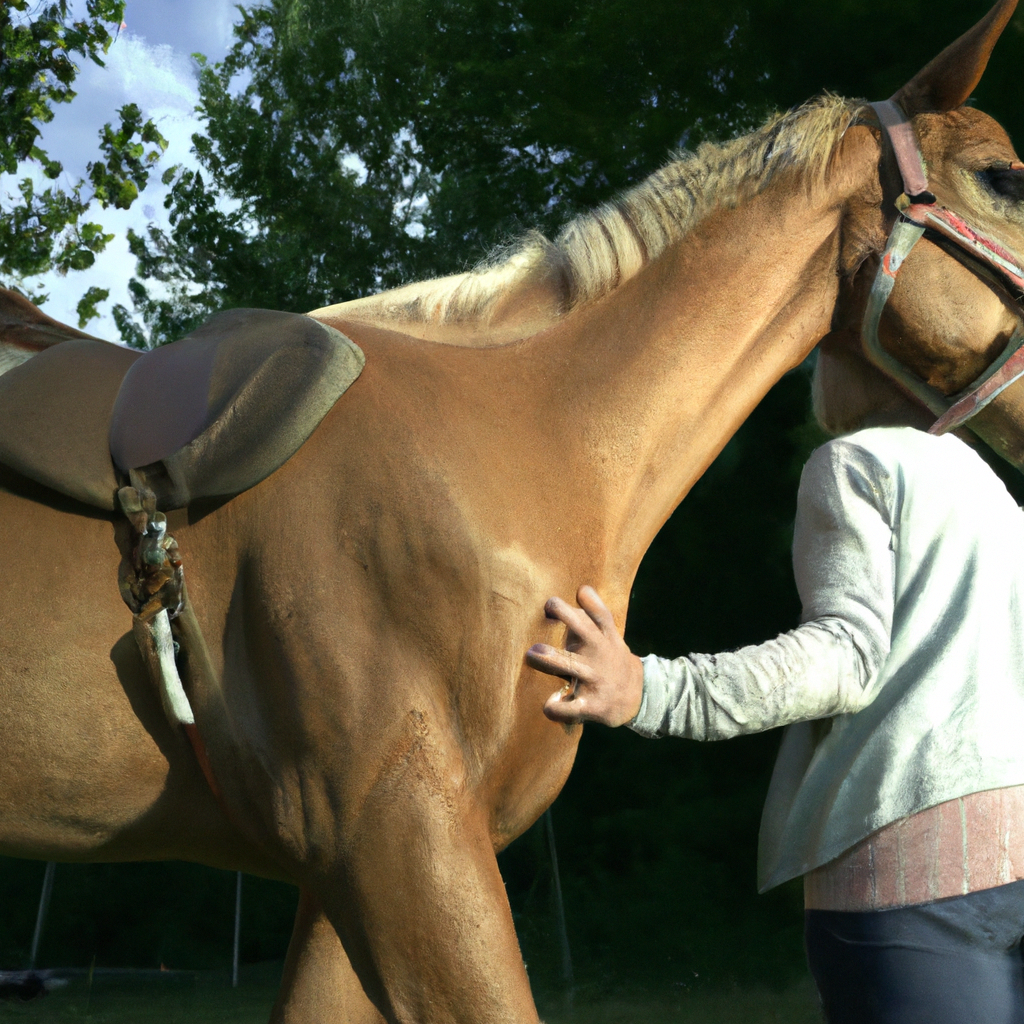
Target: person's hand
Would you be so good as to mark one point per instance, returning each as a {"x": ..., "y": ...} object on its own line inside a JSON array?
[{"x": 604, "y": 679}]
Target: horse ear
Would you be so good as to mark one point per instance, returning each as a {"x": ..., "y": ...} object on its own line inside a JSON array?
[{"x": 947, "y": 81}]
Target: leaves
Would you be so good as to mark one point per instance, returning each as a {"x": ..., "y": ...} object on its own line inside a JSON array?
[
  {"x": 88, "y": 302},
  {"x": 118, "y": 180},
  {"x": 349, "y": 148},
  {"x": 45, "y": 230}
]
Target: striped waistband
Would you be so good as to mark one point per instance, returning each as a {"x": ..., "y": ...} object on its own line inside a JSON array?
[{"x": 964, "y": 845}]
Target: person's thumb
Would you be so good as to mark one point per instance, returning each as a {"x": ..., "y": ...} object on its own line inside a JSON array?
[{"x": 562, "y": 707}]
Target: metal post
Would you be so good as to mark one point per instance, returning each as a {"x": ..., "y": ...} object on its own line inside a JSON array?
[
  {"x": 238, "y": 929},
  {"x": 563, "y": 935},
  {"x": 44, "y": 906}
]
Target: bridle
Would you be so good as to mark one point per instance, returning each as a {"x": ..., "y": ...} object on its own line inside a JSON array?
[{"x": 919, "y": 213}]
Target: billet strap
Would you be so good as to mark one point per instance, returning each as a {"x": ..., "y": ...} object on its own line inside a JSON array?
[
  {"x": 156, "y": 645},
  {"x": 198, "y": 665},
  {"x": 903, "y": 139},
  {"x": 152, "y": 584},
  {"x": 199, "y": 749}
]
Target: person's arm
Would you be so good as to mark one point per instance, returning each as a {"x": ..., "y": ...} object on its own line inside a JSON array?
[
  {"x": 844, "y": 567},
  {"x": 813, "y": 671}
]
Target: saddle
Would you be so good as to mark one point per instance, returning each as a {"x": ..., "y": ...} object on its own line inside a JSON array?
[{"x": 210, "y": 415}]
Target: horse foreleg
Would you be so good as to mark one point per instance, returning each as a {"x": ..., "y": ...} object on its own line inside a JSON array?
[
  {"x": 421, "y": 908},
  {"x": 319, "y": 985}
]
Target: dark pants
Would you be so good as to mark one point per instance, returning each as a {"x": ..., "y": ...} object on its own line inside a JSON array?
[{"x": 955, "y": 961}]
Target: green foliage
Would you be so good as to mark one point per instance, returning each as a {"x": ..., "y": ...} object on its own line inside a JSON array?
[
  {"x": 350, "y": 147},
  {"x": 43, "y": 230},
  {"x": 88, "y": 302},
  {"x": 36, "y": 69},
  {"x": 370, "y": 146},
  {"x": 118, "y": 180}
]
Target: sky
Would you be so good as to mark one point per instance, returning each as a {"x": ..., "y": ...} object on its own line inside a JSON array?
[{"x": 149, "y": 64}]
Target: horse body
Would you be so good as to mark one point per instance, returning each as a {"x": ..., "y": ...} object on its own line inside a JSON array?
[{"x": 373, "y": 733}]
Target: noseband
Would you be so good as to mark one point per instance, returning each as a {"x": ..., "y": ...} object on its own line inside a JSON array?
[{"x": 920, "y": 214}]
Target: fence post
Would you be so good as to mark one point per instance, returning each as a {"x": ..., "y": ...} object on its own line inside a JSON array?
[
  {"x": 238, "y": 929},
  {"x": 563, "y": 935},
  {"x": 44, "y": 906}
]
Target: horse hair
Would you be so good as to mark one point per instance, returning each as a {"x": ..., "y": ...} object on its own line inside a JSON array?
[{"x": 597, "y": 251}]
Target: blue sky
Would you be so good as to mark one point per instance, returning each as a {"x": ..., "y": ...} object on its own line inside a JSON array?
[{"x": 149, "y": 64}]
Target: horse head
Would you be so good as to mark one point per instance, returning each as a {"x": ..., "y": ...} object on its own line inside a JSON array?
[{"x": 922, "y": 317}]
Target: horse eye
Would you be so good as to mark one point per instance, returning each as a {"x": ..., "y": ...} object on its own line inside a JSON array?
[{"x": 1007, "y": 182}]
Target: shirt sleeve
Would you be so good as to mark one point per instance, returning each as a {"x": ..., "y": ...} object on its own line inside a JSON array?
[{"x": 843, "y": 557}]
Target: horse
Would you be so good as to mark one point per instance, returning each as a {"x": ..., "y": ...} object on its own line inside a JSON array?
[{"x": 371, "y": 732}]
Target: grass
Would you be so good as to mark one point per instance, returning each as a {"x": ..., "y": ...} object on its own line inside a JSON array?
[
  {"x": 797, "y": 1005},
  {"x": 207, "y": 998},
  {"x": 196, "y": 998}
]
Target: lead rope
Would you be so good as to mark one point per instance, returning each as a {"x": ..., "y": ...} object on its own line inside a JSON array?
[{"x": 152, "y": 585}]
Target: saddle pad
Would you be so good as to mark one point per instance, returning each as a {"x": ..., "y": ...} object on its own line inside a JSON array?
[
  {"x": 55, "y": 416},
  {"x": 218, "y": 411}
]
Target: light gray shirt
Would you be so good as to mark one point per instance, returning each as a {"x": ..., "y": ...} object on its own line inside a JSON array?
[{"x": 904, "y": 685}]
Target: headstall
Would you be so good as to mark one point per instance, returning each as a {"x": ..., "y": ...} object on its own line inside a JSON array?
[{"x": 920, "y": 214}]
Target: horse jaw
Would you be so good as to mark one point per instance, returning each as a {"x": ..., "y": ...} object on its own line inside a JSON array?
[{"x": 947, "y": 81}]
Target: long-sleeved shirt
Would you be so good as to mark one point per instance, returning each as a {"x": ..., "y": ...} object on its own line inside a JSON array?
[{"x": 904, "y": 685}]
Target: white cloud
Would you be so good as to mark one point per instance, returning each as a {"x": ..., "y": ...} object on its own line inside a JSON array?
[{"x": 149, "y": 64}]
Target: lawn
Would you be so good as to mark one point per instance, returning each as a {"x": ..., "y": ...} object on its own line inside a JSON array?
[{"x": 207, "y": 998}]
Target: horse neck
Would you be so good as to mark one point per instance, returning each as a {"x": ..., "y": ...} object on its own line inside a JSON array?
[{"x": 663, "y": 371}]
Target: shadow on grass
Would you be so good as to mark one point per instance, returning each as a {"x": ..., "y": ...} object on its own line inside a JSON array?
[
  {"x": 200, "y": 997},
  {"x": 206, "y": 997},
  {"x": 795, "y": 1005}
]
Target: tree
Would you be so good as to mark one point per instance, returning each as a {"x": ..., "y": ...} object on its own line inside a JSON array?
[
  {"x": 373, "y": 144},
  {"x": 46, "y": 229},
  {"x": 376, "y": 144}
]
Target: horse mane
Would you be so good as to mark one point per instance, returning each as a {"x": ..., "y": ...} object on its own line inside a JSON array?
[{"x": 597, "y": 251}]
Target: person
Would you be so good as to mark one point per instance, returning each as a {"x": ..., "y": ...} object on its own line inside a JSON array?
[{"x": 898, "y": 792}]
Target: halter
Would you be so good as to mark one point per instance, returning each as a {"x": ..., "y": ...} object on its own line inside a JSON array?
[{"x": 920, "y": 213}]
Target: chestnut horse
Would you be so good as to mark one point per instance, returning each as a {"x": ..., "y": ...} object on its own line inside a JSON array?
[{"x": 374, "y": 733}]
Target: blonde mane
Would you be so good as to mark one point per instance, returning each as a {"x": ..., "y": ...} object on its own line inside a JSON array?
[{"x": 521, "y": 289}]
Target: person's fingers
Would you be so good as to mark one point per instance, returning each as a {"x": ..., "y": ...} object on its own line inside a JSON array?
[
  {"x": 545, "y": 659},
  {"x": 590, "y": 601},
  {"x": 558, "y": 663},
  {"x": 575, "y": 618}
]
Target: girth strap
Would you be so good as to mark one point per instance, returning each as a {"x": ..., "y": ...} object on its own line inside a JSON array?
[{"x": 152, "y": 584}]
